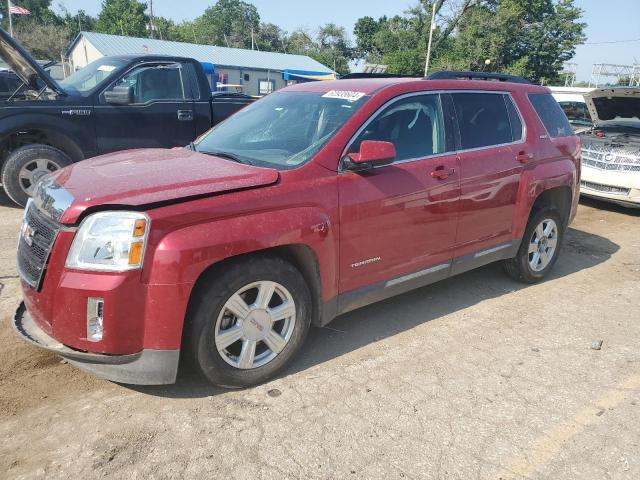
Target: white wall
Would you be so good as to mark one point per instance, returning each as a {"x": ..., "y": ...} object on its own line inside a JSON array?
[{"x": 83, "y": 53}]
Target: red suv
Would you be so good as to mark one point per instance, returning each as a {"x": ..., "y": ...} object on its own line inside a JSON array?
[{"x": 314, "y": 201}]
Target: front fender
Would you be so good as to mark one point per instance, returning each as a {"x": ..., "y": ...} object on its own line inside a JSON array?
[{"x": 182, "y": 255}]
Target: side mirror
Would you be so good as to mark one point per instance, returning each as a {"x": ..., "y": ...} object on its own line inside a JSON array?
[
  {"x": 119, "y": 95},
  {"x": 372, "y": 153}
]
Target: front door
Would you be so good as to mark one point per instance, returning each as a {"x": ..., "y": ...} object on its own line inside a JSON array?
[
  {"x": 400, "y": 219},
  {"x": 161, "y": 115}
]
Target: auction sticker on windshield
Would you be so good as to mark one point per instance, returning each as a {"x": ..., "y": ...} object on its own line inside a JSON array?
[
  {"x": 344, "y": 95},
  {"x": 106, "y": 68}
]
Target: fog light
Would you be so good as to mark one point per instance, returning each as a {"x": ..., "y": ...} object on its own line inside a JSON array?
[{"x": 95, "y": 316}]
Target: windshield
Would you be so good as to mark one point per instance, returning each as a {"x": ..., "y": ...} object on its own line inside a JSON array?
[
  {"x": 283, "y": 130},
  {"x": 576, "y": 112},
  {"x": 86, "y": 79}
]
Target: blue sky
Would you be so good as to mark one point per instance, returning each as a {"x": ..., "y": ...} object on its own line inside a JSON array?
[{"x": 608, "y": 20}]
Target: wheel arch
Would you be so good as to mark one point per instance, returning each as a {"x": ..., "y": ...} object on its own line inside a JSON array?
[
  {"x": 559, "y": 197},
  {"x": 42, "y": 135},
  {"x": 301, "y": 256}
]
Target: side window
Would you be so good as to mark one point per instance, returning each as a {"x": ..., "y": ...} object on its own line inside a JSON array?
[
  {"x": 157, "y": 82},
  {"x": 552, "y": 116},
  {"x": 483, "y": 119},
  {"x": 414, "y": 125},
  {"x": 514, "y": 119}
]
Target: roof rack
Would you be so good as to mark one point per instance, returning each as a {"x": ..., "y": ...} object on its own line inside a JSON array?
[
  {"x": 359, "y": 75},
  {"x": 468, "y": 75}
]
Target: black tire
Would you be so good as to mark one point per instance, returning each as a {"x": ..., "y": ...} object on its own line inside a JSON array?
[
  {"x": 17, "y": 188},
  {"x": 210, "y": 299},
  {"x": 519, "y": 267}
]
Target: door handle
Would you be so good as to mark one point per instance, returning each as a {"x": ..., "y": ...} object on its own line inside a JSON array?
[
  {"x": 524, "y": 157},
  {"x": 442, "y": 172},
  {"x": 185, "y": 115}
]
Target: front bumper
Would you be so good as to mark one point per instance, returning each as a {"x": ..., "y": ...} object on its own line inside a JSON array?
[
  {"x": 621, "y": 187},
  {"x": 148, "y": 367}
]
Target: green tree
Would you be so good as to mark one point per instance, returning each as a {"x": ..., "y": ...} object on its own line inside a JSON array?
[
  {"x": 43, "y": 41},
  {"x": 526, "y": 37},
  {"x": 228, "y": 23},
  {"x": 270, "y": 38},
  {"x": 123, "y": 17},
  {"x": 75, "y": 23},
  {"x": 329, "y": 46}
]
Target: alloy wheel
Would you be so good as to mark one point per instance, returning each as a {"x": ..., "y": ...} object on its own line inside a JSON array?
[
  {"x": 33, "y": 171},
  {"x": 543, "y": 244},
  {"x": 255, "y": 325}
]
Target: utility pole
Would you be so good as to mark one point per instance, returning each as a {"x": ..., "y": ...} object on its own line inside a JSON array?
[
  {"x": 432, "y": 27},
  {"x": 151, "y": 25},
  {"x": 10, "y": 20}
]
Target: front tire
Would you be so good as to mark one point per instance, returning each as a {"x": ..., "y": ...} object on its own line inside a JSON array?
[
  {"x": 247, "y": 321},
  {"x": 26, "y": 165},
  {"x": 540, "y": 247}
]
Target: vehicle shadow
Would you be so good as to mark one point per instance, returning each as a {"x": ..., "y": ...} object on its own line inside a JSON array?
[
  {"x": 608, "y": 206},
  {"x": 581, "y": 250}
]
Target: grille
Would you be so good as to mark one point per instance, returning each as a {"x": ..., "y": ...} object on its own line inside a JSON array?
[
  {"x": 605, "y": 188},
  {"x": 611, "y": 157},
  {"x": 32, "y": 259}
]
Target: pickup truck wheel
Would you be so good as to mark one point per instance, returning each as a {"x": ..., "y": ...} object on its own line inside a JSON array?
[
  {"x": 539, "y": 249},
  {"x": 25, "y": 166},
  {"x": 249, "y": 320}
]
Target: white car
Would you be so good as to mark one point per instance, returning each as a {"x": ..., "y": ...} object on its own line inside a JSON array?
[{"x": 611, "y": 148}]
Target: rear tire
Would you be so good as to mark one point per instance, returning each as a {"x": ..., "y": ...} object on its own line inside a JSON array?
[
  {"x": 26, "y": 165},
  {"x": 247, "y": 321},
  {"x": 540, "y": 247}
]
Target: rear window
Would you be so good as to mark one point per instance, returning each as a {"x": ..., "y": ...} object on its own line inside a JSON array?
[
  {"x": 483, "y": 120},
  {"x": 552, "y": 116}
]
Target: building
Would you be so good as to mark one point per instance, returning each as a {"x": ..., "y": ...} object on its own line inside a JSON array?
[{"x": 250, "y": 71}]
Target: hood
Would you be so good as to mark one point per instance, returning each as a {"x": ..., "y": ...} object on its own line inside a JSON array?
[
  {"x": 617, "y": 105},
  {"x": 24, "y": 66},
  {"x": 150, "y": 176}
]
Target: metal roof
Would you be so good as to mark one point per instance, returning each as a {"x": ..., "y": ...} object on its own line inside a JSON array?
[{"x": 231, "y": 57}]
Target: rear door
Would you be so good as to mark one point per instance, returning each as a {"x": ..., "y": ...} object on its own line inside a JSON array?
[
  {"x": 491, "y": 136},
  {"x": 400, "y": 218},
  {"x": 161, "y": 114}
]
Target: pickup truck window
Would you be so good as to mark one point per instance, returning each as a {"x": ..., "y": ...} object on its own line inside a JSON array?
[
  {"x": 84, "y": 81},
  {"x": 283, "y": 130},
  {"x": 413, "y": 124},
  {"x": 155, "y": 82},
  {"x": 483, "y": 119}
]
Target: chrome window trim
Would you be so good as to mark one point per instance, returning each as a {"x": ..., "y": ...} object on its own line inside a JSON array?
[{"x": 375, "y": 114}]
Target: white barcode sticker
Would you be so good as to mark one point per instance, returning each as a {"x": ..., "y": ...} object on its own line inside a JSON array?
[{"x": 344, "y": 95}]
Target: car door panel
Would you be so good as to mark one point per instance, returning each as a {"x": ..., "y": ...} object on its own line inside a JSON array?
[
  {"x": 158, "y": 118},
  {"x": 398, "y": 219},
  {"x": 489, "y": 169}
]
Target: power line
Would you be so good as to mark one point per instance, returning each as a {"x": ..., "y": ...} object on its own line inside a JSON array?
[{"x": 613, "y": 41}]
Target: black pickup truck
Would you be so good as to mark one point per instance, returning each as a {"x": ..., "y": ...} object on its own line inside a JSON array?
[{"x": 114, "y": 103}]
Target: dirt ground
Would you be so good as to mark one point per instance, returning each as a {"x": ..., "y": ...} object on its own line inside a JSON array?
[{"x": 475, "y": 377}]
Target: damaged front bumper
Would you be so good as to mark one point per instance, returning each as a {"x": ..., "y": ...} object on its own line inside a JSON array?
[{"x": 148, "y": 367}]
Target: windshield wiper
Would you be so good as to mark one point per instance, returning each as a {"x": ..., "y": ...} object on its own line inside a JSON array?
[{"x": 227, "y": 155}]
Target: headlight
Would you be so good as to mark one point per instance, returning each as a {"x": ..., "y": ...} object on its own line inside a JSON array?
[{"x": 110, "y": 242}]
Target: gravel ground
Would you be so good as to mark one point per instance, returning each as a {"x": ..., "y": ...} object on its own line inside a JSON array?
[{"x": 475, "y": 377}]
